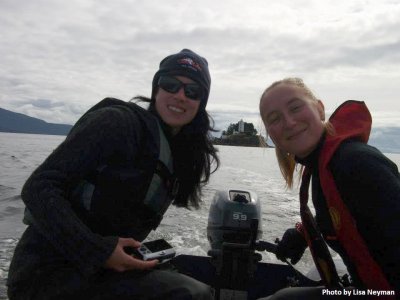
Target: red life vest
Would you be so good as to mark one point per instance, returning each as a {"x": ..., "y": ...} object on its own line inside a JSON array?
[{"x": 351, "y": 120}]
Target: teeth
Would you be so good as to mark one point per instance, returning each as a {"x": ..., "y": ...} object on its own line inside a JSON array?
[{"x": 176, "y": 109}]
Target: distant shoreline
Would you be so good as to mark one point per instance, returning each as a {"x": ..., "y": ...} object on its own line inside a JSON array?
[
  {"x": 13, "y": 122},
  {"x": 39, "y": 133}
]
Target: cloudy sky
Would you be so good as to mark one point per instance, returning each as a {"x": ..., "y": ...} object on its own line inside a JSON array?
[{"x": 58, "y": 58}]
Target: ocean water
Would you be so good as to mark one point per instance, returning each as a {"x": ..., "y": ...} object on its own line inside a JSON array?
[{"x": 253, "y": 169}]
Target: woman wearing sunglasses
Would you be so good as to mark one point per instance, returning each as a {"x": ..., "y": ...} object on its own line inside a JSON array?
[
  {"x": 108, "y": 185},
  {"x": 355, "y": 192}
]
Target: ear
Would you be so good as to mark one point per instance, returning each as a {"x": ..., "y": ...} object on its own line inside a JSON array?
[{"x": 321, "y": 109}]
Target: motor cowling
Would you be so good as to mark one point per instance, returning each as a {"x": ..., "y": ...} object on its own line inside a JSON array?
[{"x": 230, "y": 219}]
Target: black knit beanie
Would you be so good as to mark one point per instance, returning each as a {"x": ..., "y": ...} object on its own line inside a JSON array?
[{"x": 189, "y": 64}]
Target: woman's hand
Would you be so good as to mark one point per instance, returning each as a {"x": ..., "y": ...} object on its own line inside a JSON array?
[
  {"x": 120, "y": 261},
  {"x": 291, "y": 246}
]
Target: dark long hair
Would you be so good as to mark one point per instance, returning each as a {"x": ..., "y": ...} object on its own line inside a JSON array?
[{"x": 193, "y": 154}]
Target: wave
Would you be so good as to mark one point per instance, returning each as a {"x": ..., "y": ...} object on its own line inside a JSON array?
[{"x": 10, "y": 211}]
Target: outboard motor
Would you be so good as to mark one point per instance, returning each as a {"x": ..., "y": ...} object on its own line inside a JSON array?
[
  {"x": 231, "y": 216},
  {"x": 234, "y": 225},
  {"x": 233, "y": 268}
]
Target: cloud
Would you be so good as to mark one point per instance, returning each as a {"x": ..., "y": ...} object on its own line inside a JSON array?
[
  {"x": 386, "y": 139},
  {"x": 59, "y": 58},
  {"x": 386, "y": 119},
  {"x": 43, "y": 103}
]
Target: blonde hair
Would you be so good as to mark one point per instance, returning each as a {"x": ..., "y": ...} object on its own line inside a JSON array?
[
  {"x": 286, "y": 161},
  {"x": 293, "y": 81}
]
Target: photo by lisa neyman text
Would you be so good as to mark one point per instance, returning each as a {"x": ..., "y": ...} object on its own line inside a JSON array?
[{"x": 351, "y": 292}]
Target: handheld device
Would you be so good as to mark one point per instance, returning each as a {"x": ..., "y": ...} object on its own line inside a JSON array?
[{"x": 157, "y": 249}]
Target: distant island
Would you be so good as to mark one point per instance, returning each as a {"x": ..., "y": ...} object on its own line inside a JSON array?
[
  {"x": 20, "y": 123},
  {"x": 241, "y": 134}
]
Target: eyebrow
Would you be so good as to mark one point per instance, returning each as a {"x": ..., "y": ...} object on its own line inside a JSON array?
[{"x": 293, "y": 100}]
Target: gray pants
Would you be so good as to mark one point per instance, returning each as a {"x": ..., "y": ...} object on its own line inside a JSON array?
[{"x": 132, "y": 285}]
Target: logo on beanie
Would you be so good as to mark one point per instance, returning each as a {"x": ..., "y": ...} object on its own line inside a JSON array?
[{"x": 189, "y": 63}]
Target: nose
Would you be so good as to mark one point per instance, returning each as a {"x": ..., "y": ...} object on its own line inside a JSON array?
[
  {"x": 289, "y": 120},
  {"x": 180, "y": 94}
]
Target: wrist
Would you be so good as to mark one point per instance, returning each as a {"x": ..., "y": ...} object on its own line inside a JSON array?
[{"x": 299, "y": 228}]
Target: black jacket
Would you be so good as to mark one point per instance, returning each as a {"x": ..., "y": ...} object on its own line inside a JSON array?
[
  {"x": 123, "y": 137},
  {"x": 369, "y": 185}
]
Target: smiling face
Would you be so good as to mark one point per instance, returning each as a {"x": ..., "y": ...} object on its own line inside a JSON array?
[
  {"x": 293, "y": 119},
  {"x": 176, "y": 109}
]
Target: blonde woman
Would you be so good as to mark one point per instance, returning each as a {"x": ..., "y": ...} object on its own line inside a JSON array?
[{"x": 355, "y": 190}]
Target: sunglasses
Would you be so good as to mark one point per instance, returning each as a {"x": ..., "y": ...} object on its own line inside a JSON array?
[{"x": 173, "y": 85}]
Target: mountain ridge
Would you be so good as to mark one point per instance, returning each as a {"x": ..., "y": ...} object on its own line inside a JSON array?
[{"x": 20, "y": 123}]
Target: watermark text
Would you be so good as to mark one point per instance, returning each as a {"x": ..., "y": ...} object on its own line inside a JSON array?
[{"x": 357, "y": 292}]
